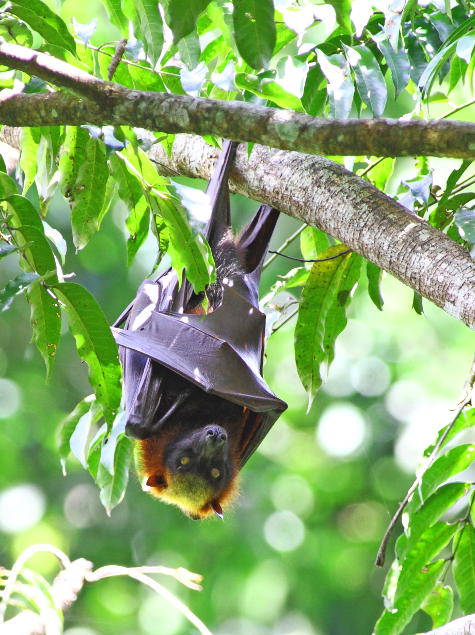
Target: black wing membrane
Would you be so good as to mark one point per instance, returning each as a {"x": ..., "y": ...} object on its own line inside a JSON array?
[{"x": 221, "y": 352}]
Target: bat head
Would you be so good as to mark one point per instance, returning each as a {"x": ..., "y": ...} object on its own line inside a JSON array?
[{"x": 195, "y": 471}]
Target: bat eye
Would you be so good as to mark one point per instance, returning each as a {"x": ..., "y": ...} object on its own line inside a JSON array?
[
  {"x": 185, "y": 460},
  {"x": 215, "y": 472}
]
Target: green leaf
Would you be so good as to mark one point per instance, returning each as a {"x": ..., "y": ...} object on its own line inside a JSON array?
[
  {"x": 390, "y": 583},
  {"x": 113, "y": 487},
  {"x": 145, "y": 78},
  {"x": 186, "y": 251},
  {"x": 375, "y": 279},
  {"x": 94, "y": 452},
  {"x": 342, "y": 10},
  {"x": 314, "y": 94},
  {"x": 452, "y": 462},
  {"x": 111, "y": 187},
  {"x": 380, "y": 174},
  {"x": 121, "y": 74},
  {"x": 46, "y": 323},
  {"x": 7, "y": 186},
  {"x": 452, "y": 181},
  {"x": 23, "y": 212},
  {"x": 15, "y": 31},
  {"x": 336, "y": 320},
  {"x": 294, "y": 278},
  {"x": 369, "y": 79},
  {"x": 268, "y": 89},
  {"x": 190, "y": 51},
  {"x": 130, "y": 191},
  {"x": 95, "y": 345},
  {"x": 108, "y": 449},
  {"x": 6, "y": 250},
  {"x": 340, "y": 87},
  {"x": 116, "y": 16},
  {"x": 29, "y": 142},
  {"x": 465, "y": 420},
  {"x": 464, "y": 568},
  {"x": 394, "y": 622},
  {"x": 88, "y": 193},
  {"x": 254, "y": 31},
  {"x": 47, "y": 23},
  {"x": 318, "y": 297},
  {"x": 171, "y": 78},
  {"x": 439, "y": 605},
  {"x": 39, "y": 255},
  {"x": 398, "y": 63},
  {"x": 417, "y": 304},
  {"x": 78, "y": 440},
  {"x": 312, "y": 243},
  {"x": 69, "y": 425},
  {"x": 148, "y": 25},
  {"x": 284, "y": 35},
  {"x": 429, "y": 545},
  {"x": 14, "y": 287},
  {"x": 182, "y": 16},
  {"x": 430, "y": 512}
]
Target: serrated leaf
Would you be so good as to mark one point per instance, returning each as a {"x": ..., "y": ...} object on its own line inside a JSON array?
[
  {"x": 369, "y": 79},
  {"x": 464, "y": 568},
  {"x": 429, "y": 545},
  {"x": 14, "y": 287},
  {"x": 254, "y": 31},
  {"x": 95, "y": 345},
  {"x": 88, "y": 193},
  {"x": 439, "y": 605},
  {"x": 268, "y": 89},
  {"x": 47, "y": 23},
  {"x": 431, "y": 511},
  {"x": 393, "y": 622},
  {"x": 29, "y": 142},
  {"x": 398, "y": 63},
  {"x": 318, "y": 297},
  {"x": 69, "y": 425},
  {"x": 113, "y": 487},
  {"x": 116, "y": 16},
  {"x": 46, "y": 323}
]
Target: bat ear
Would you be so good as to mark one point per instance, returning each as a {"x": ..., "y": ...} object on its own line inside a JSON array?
[
  {"x": 217, "y": 509},
  {"x": 156, "y": 480}
]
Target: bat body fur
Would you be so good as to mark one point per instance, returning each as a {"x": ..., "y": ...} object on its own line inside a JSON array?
[{"x": 195, "y": 398}]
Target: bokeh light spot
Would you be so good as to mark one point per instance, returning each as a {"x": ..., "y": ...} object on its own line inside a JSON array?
[
  {"x": 9, "y": 398},
  {"x": 284, "y": 531},
  {"x": 370, "y": 377},
  {"x": 21, "y": 507},
  {"x": 292, "y": 492},
  {"x": 341, "y": 430}
]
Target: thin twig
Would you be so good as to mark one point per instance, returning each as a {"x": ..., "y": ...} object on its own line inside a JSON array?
[
  {"x": 289, "y": 317},
  {"x": 182, "y": 575},
  {"x": 284, "y": 245},
  {"x": 114, "y": 570},
  {"x": 456, "y": 109},
  {"x": 17, "y": 567},
  {"x": 372, "y": 165},
  {"x": 342, "y": 253},
  {"x": 466, "y": 398}
]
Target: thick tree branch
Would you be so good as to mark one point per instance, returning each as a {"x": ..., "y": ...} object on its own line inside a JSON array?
[
  {"x": 103, "y": 102},
  {"x": 325, "y": 195}
]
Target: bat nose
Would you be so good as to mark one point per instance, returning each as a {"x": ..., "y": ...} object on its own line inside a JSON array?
[{"x": 216, "y": 434}]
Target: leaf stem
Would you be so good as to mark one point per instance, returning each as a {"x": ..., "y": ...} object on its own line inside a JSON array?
[{"x": 284, "y": 245}]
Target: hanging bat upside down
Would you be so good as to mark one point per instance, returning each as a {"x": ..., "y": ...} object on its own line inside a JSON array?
[{"x": 195, "y": 398}]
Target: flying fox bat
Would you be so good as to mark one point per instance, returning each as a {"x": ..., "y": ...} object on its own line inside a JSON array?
[{"x": 195, "y": 398}]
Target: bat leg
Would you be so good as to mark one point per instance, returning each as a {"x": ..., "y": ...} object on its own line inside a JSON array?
[{"x": 182, "y": 396}]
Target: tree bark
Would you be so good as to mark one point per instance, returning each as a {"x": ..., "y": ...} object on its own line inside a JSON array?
[{"x": 97, "y": 102}]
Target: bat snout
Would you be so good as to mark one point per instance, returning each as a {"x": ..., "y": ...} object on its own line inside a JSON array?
[{"x": 214, "y": 441}]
